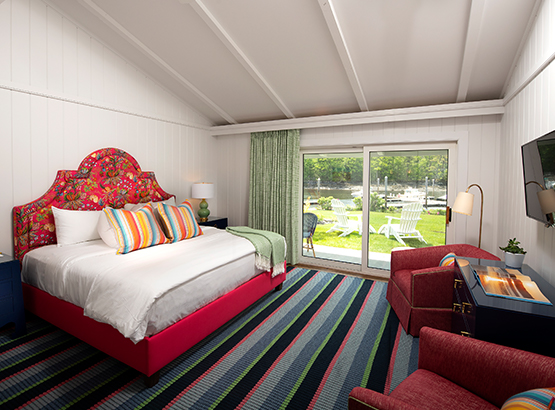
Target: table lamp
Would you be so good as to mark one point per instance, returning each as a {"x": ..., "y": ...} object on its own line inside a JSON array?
[
  {"x": 203, "y": 190},
  {"x": 464, "y": 203}
]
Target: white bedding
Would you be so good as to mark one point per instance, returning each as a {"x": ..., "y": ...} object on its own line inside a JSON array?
[{"x": 143, "y": 292}]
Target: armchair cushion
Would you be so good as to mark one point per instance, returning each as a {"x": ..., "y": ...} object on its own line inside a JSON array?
[
  {"x": 440, "y": 393},
  {"x": 364, "y": 399}
]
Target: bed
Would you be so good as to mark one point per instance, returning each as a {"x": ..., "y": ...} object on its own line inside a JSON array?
[{"x": 112, "y": 178}]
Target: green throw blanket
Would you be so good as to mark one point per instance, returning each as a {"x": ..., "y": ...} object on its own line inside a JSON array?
[{"x": 270, "y": 247}]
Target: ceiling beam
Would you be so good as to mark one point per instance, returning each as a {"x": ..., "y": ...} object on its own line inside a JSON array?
[
  {"x": 232, "y": 46},
  {"x": 471, "y": 47},
  {"x": 341, "y": 45},
  {"x": 119, "y": 29},
  {"x": 456, "y": 110}
]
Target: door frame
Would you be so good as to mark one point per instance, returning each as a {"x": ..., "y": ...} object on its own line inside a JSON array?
[
  {"x": 455, "y": 142},
  {"x": 451, "y": 148}
]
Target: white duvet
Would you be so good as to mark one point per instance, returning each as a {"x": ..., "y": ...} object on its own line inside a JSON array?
[{"x": 143, "y": 292}]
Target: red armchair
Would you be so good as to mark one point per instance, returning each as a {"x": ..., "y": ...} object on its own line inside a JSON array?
[
  {"x": 420, "y": 291},
  {"x": 456, "y": 372}
]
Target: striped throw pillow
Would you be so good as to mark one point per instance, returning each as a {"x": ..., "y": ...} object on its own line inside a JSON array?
[
  {"x": 179, "y": 221},
  {"x": 135, "y": 230},
  {"x": 448, "y": 260},
  {"x": 536, "y": 399}
]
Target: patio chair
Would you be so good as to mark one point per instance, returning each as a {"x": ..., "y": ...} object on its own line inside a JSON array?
[
  {"x": 309, "y": 226},
  {"x": 344, "y": 224},
  {"x": 406, "y": 228}
]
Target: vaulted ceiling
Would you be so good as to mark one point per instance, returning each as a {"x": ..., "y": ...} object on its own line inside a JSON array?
[{"x": 241, "y": 61}]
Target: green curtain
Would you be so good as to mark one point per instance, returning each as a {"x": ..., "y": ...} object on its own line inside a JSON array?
[{"x": 274, "y": 186}]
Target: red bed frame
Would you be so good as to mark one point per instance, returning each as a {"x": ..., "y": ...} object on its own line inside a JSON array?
[{"x": 112, "y": 177}]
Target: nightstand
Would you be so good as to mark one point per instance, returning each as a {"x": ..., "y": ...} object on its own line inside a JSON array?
[
  {"x": 11, "y": 295},
  {"x": 220, "y": 223}
]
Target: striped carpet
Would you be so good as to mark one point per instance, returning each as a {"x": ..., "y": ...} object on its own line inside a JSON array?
[{"x": 304, "y": 347}]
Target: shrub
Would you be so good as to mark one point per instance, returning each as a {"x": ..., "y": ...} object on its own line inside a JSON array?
[
  {"x": 376, "y": 203},
  {"x": 325, "y": 202},
  {"x": 358, "y": 203}
]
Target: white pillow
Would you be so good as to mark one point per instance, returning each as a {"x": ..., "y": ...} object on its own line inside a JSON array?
[
  {"x": 75, "y": 226},
  {"x": 136, "y": 207},
  {"x": 107, "y": 232}
]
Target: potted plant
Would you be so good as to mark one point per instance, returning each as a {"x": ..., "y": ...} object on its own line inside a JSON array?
[{"x": 514, "y": 254}]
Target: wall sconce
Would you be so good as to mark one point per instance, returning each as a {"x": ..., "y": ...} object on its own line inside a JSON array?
[
  {"x": 547, "y": 201},
  {"x": 464, "y": 203},
  {"x": 203, "y": 190}
]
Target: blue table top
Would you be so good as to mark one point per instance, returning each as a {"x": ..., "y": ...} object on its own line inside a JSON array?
[
  {"x": 5, "y": 258},
  {"x": 496, "y": 302}
]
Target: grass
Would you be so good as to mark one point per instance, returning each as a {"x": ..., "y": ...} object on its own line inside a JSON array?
[{"x": 431, "y": 226}]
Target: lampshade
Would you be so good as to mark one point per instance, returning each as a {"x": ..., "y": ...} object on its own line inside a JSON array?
[
  {"x": 547, "y": 200},
  {"x": 203, "y": 190},
  {"x": 463, "y": 204}
]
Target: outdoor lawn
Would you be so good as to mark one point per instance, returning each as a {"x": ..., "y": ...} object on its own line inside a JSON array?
[{"x": 432, "y": 228}]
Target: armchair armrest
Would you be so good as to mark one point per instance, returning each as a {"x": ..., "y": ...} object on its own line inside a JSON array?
[
  {"x": 490, "y": 371},
  {"x": 364, "y": 399},
  {"x": 433, "y": 287}
]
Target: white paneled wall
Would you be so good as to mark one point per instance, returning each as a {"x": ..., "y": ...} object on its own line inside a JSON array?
[
  {"x": 233, "y": 178},
  {"x": 478, "y": 139},
  {"x": 63, "y": 94},
  {"x": 530, "y": 113}
]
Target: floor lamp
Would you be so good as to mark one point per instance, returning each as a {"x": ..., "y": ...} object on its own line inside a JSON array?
[{"x": 464, "y": 203}]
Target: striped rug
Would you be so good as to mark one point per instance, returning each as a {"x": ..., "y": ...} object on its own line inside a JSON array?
[{"x": 304, "y": 347}]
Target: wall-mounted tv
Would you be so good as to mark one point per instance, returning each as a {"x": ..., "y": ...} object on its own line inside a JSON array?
[{"x": 538, "y": 162}]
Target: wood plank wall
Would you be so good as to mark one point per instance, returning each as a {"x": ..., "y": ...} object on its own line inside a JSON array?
[
  {"x": 64, "y": 94},
  {"x": 530, "y": 113}
]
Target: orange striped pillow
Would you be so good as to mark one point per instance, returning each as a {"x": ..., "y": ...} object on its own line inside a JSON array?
[
  {"x": 178, "y": 221},
  {"x": 135, "y": 230}
]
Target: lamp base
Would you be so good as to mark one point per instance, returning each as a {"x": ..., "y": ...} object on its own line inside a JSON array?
[{"x": 203, "y": 211}]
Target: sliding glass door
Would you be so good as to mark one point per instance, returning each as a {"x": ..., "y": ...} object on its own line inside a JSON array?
[
  {"x": 332, "y": 182},
  {"x": 360, "y": 204},
  {"x": 407, "y": 201}
]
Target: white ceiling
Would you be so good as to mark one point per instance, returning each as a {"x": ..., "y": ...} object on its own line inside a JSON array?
[{"x": 240, "y": 61}]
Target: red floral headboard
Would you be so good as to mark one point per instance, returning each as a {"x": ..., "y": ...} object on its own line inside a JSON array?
[{"x": 107, "y": 177}]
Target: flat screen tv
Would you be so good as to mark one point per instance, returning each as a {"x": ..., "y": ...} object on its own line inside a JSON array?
[{"x": 538, "y": 163}]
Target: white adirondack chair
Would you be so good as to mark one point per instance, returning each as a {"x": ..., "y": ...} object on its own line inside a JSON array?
[
  {"x": 406, "y": 228},
  {"x": 344, "y": 224}
]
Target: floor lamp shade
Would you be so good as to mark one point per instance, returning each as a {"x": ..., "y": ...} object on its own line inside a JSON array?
[
  {"x": 203, "y": 190},
  {"x": 464, "y": 204}
]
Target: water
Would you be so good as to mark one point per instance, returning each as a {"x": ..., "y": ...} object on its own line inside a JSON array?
[{"x": 346, "y": 194}]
